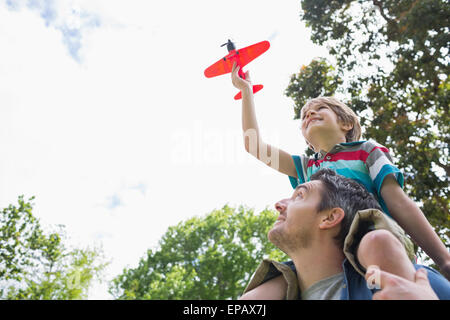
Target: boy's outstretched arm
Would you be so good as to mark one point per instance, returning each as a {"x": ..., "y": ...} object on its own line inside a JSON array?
[
  {"x": 254, "y": 144},
  {"x": 413, "y": 221}
]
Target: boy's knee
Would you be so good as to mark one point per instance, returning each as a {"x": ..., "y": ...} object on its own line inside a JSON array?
[
  {"x": 381, "y": 239},
  {"x": 378, "y": 244}
]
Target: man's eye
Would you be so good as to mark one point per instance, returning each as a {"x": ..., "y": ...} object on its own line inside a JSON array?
[{"x": 322, "y": 107}]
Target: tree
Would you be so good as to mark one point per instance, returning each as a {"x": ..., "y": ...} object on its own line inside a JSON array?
[
  {"x": 209, "y": 257},
  {"x": 316, "y": 79},
  {"x": 393, "y": 59},
  {"x": 36, "y": 265}
]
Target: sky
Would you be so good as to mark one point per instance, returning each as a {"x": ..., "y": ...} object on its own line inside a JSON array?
[{"x": 107, "y": 118}]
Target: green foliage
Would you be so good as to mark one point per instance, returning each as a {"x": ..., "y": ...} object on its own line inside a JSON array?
[
  {"x": 36, "y": 265},
  {"x": 316, "y": 79},
  {"x": 209, "y": 257},
  {"x": 393, "y": 56}
]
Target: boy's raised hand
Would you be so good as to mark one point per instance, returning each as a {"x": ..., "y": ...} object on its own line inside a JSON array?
[{"x": 238, "y": 82}]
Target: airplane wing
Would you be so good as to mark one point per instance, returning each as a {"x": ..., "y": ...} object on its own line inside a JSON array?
[{"x": 242, "y": 56}]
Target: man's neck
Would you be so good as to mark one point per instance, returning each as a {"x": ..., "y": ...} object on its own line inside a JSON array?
[{"x": 316, "y": 263}]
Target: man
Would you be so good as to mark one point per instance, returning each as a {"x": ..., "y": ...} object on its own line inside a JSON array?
[{"x": 320, "y": 228}]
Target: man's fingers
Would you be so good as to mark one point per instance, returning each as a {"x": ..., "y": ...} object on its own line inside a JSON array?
[
  {"x": 377, "y": 296},
  {"x": 394, "y": 287},
  {"x": 373, "y": 276},
  {"x": 379, "y": 278},
  {"x": 421, "y": 277}
]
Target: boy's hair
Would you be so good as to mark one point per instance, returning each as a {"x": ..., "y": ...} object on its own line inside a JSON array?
[
  {"x": 341, "y": 192},
  {"x": 343, "y": 112}
]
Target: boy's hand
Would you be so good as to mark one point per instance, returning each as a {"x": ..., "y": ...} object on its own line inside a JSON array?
[{"x": 238, "y": 82}]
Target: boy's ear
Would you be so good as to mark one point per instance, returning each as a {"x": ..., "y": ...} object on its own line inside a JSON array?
[
  {"x": 331, "y": 218},
  {"x": 346, "y": 126}
]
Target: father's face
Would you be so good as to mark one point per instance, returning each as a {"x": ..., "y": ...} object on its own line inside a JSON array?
[{"x": 294, "y": 227}]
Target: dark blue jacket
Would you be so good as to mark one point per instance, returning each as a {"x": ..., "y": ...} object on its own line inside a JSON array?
[{"x": 355, "y": 287}]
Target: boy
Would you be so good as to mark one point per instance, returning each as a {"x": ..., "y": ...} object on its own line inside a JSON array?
[{"x": 332, "y": 130}]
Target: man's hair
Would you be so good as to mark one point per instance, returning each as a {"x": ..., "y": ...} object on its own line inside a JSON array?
[
  {"x": 341, "y": 192},
  {"x": 343, "y": 112}
]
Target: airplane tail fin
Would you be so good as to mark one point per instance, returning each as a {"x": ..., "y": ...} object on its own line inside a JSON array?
[{"x": 256, "y": 88}]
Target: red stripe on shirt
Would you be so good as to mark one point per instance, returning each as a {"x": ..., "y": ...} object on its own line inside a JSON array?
[
  {"x": 350, "y": 155},
  {"x": 385, "y": 150}
]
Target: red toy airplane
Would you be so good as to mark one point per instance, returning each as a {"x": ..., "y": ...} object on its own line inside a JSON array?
[{"x": 242, "y": 57}]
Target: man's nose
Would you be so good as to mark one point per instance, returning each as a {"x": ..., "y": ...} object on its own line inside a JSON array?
[{"x": 281, "y": 205}]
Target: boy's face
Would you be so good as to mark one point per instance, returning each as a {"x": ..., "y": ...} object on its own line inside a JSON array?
[{"x": 319, "y": 120}]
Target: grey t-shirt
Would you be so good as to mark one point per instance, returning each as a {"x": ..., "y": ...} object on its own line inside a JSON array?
[{"x": 325, "y": 289}]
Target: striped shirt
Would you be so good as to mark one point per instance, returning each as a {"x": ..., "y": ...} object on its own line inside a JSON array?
[{"x": 367, "y": 162}]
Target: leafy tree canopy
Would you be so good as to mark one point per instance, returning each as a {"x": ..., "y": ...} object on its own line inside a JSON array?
[
  {"x": 209, "y": 257},
  {"x": 37, "y": 265},
  {"x": 391, "y": 65}
]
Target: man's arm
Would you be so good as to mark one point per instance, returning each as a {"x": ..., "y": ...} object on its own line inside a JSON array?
[
  {"x": 274, "y": 289},
  {"x": 268, "y": 154},
  {"x": 413, "y": 221}
]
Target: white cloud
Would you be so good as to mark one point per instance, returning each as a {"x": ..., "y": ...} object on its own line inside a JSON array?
[
  {"x": 78, "y": 132},
  {"x": 65, "y": 16}
]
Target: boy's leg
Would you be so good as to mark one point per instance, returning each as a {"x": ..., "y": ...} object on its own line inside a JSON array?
[{"x": 382, "y": 249}]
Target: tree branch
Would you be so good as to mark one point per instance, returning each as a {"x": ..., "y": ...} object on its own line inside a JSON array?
[{"x": 379, "y": 4}]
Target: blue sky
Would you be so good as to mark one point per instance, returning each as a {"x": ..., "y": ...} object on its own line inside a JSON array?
[
  {"x": 108, "y": 120},
  {"x": 72, "y": 23}
]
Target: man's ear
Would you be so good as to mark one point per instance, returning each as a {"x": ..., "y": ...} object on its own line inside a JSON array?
[{"x": 331, "y": 218}]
